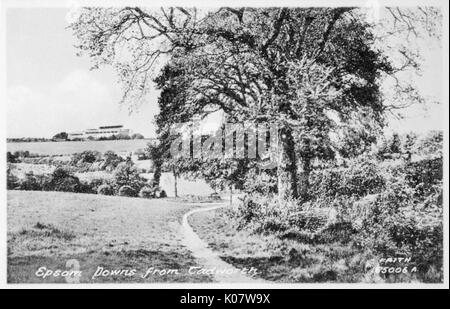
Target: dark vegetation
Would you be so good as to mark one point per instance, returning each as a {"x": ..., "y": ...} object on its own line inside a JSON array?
[
  {"x": 387, "y": 205},
  {"x": 125, "y": 181}
]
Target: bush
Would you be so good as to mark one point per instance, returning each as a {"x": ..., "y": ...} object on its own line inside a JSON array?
[
  {"x": 260, "y": 183},
  {"x": 59, "y": 180},
  {"x": 91, "y": 186},
  {"x": 105, "y": 189},
  {"x": 431, "y": 144},
  {"x": 22, "y": 154},
  {"x": 137, "y": 136},
  {"x": 270, "y": 215},
  {"x": 95, "y": 183},
  {"x": 147, "y": 192},
  {"x": 423, "y": 175},
  {"x": 11, "y": 158},
  {"x": 87, "y": 156},
  {"x": 110, "y": 161},
  {"x": 400, "y": 224},
  {"x": 126, "y": 174},
  {"x": 33, "y": 182},
  {"x": 215, "y": 196},
  {"x": 12, "y": 182},
  {"x": 68, "y": 184},
  {"x": 389, "y": 148},
  {"x": 141, "y": 155},
  {"x": 127, "y": 191},
  {"x": 160, "y": 193},
  {"x": 360, "y": 179},
  {"x": 62, "y": 180}
]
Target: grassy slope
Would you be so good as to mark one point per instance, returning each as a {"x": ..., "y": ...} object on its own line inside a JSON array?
[
  {"x": 49, "y": 228},
  {"x": 281, "y": 260}
]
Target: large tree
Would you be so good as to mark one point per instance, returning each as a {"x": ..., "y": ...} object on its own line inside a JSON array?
[{"x": 309, "y": 70}]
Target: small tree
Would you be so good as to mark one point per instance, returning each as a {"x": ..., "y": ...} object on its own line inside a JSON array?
[
  {"x": 61, "y": 135},
  {"x": 137, "y": 136},
  {"x": 105, "y": 189},
  {"x": 409, "y": 145},
  {"x": 111, "y": 160},
  {"x": 10, "y": 158},
  {"x": 432, "y": 144},
  {"x": 11, "y": 180},
  {"x": 127, "y": 191},
  {"x": 126, "y": 174},
  {"x": 87, "y": 156},
  {"x": 390, "y": 148},
  {"x": 63, "y": 180}
]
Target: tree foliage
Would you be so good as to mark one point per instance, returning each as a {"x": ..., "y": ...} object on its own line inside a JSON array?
[{"x": 312, "y": 71}]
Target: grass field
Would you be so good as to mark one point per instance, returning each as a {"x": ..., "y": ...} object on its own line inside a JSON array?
[
  {"x": 278, "y": 260},
  {"x": 64, "y": 148},
  {"x": 46, "y": 229}
]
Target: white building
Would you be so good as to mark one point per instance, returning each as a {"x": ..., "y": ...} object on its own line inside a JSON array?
[{"x": 101, "y": 132}]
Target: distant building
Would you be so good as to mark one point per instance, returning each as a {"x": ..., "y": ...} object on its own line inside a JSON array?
[{"x": 101, "y": 132}]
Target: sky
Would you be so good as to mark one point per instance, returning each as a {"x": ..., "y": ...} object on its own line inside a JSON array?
[{"x": 50, "y": 89}]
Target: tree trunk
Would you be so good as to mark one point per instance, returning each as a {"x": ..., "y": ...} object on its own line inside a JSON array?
[
  {"x": 287, "y": 165},
  {"x": 304, "y": 179},
  {"x": 231, "y": 194},
  {"x": 175, "y": 176},
  {"x": 157, "y": 174}
]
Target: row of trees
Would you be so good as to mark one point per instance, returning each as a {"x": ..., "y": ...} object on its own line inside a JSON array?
[{"x": 64, "y": 136}]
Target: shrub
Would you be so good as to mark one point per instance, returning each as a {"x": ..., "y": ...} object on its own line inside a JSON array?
[
  {"x": 22, "y": 154},
  {"x": 105, "y": 189},
  {"x": 399, "y": 224},
  {"x": 389, "y": 148},
  {"x": 431, "y": 144},
  {"x": 87, "y": 156},
  {"x": 12, "y": 182},
  {"x": 260, "y": 183},
  {"x": 137, "y": 136},
  {"x": 91, "y": 186},
  {"x": 126, "y": 174},
  {"x": 141, "y": 155},
  {"x": 214, "y": 196},
  {"x": 360, "y": 179},
  {"x": 59, "y": 180},
  {"x": 127, "y": 191},
  {"x": 110, "y": 161},
  {"x": 85, "y": 188},
  {"x": 95, "y": 183},
  {"x": 62, "y": 180},
  {"x": 33, "y": 182},
  {"x": 147, "y": 192},
  {"x": 423, "y": 175},
  {"x": 270, "y": 215},
  {"x": 160, "y": 193},
  {"x": 11, "y": 158}
]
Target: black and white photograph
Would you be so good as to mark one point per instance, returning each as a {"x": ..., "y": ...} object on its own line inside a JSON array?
[{"x": 242, "y": 144}]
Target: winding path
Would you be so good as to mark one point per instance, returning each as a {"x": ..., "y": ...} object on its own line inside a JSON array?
[{"x": 224, "y": 272}]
